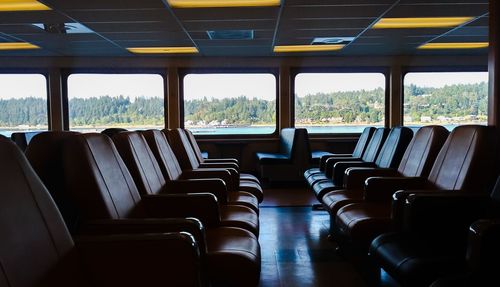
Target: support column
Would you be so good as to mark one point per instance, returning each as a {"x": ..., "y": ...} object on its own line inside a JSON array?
[
  {"x": 494, "y": 65},
  {"x": 173, "y": 111},
  {"x": 395, "y": 96},
  {"x": 56, "y": 110},
  {"x": 285, "y": 108}
]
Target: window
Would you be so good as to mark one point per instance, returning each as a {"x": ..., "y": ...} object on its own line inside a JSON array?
[
  {"x": 339, "y": 102},
  {"x": 131, "y": 101},
  {"x": 445, "y": 98},
  {"x": 23, "y": 103},
  {"x": 222, "y": 104}
]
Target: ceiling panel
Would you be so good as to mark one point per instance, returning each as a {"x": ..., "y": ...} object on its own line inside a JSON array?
[{"x": 118, "y": 24}]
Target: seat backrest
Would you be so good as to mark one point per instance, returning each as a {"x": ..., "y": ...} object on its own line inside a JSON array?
[
  {"x": 140, "y": 161},
  {"x": 375, "y": 144},
  {"x": 394, "y": 147},
  {"x": 36, "y": 249},
  {"x": 45, "y": 156},
  {"x": 183, "y": 151},
  {"x": 467, "y": 160},
  {"x": 194, "y": 145},
  {"x": 163, "y": 153},
  {"x": 110, "y": 132},
  {"x": 98, "y": 179},
  {"x": 301, "y": 149},
  {"x": 363, "y": 141},
  {"x": 22, "y": 139},
  {"x": 422, "y": 151},
  {"x": 287, "y": 140}
]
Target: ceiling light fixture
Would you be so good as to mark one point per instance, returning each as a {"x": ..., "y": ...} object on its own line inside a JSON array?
[
  {"x": 456, "y": 45},
  {"x": 222, "y": 3},
  {"x": 423, "y": 22},
  {"x": 307, "y": 48},
  {"x": 163, "y": 50},
  {"x": 17, "y": 46},
  {"x": 22, "y": 5}
]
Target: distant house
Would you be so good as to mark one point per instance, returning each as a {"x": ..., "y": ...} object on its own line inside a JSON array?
[{"x": 425, "y": 119}]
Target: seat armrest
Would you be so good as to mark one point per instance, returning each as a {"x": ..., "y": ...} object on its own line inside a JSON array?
[
  {"x": 209, "y": 185},
  {"x": 333, "y": 160},
  {"x": 203, "y": 206},
  {"x": 173, "y": 259},
  {"x": 381, "y": 189},
  {"x": 217, "y": 173},
  {"x": 146, "y": 225},
  {"x": 355, "y": 177},
  {"x": 323, "y": 159},
  {"x": 340, "y": 168},
  {"x": 220, "y": 165},
  {"x": 221, "y": 160},
  {"x": 483, "y": 250},
  {"x": 445, "y": 215}
]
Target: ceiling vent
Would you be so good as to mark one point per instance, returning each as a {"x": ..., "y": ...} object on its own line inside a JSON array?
[
  {"x": 63, "y": 28},
  {"x": 332, "y": 40},
  {"x": 230, "y": 35}
]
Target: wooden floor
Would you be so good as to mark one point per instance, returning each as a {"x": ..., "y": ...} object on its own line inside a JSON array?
[{"x": 294, "y": 244}]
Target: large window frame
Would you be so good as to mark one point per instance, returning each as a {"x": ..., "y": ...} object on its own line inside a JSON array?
[
  {"x": 65, "y": 73},
  {"x": 385, "y": 71},
  {"x": 43, "y": 72},
  {"x": 273, "y": 71},
  {"x": 435, "y": 69}
]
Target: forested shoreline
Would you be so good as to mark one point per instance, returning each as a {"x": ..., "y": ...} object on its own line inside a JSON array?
[{"x": 455, "y": 102}]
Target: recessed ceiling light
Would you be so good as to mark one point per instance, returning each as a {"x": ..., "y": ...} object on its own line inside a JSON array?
[
  {"x": 222, "y": 3},
  {"x": 456, "y": 45},
  {"x": 17, "y": 46},
  {"x": 163, "y": 50},
  {"x": 423, "y": 22},
  {"x": 307, "y": 48},
  {"x": 22, "y": 5}
]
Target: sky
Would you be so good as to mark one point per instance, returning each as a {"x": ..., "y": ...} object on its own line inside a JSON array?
[
  {"x": 219, "y": 86},
  {"x": 197, "y": 86}
]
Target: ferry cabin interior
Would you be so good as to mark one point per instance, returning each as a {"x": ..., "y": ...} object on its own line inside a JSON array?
[{"x": 372, "y": 181}]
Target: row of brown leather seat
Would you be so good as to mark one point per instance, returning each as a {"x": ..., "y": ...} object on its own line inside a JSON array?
[
  {"x": 36, "y": 248},
  {"x": 433, "y": 163},
  {"x": 97, "y": 181}
]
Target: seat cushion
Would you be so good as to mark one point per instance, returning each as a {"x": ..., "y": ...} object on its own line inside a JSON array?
[
  {"x": 252, "y": 187},
  {"x": 316, "y": 156},
  {"x": 273, "y": 158},
  {"x": 311, "y": 171},
  {"x": 323, "y": 187},
  {"x": 243, "y": 198},
  {"x": 250, "y": 177},
  {"x": 412, "y": 260},
  {"x": 337, "y": 199},
  {"x": 240, "y": 216},
  {"x": 362, "y": 222},
  {"x": 233, "y": 257},
  {"x": 314, "y": 178}
]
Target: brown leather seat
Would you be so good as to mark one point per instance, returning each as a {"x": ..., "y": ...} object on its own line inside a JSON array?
[
  {"x": 36, "y": 249},
  {"x": 149, "y": 180},
  {"x": 202, "y": 160},
  {"x": 464, "y": 163},
  {"x": 417, "y": 161},
  {"x": 172, "y": 171},
  {"x": 104, "y": 189},
  {"x": 181, "y": 146}
]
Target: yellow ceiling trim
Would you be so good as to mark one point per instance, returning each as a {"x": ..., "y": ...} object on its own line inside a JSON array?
[
  {"x": 457, "y": 45},
  {"x": 22, "y": 5},
  {"x": 307, "y": 48},
  {"x": 222, "y": 3},
  {"x": 17, "y": 46},
  {"x": 422, "y": 22},
  {"x": 163, "y": 50}
]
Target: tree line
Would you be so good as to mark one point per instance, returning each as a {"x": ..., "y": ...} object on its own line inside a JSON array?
[{"x": 338, "y": 107}]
